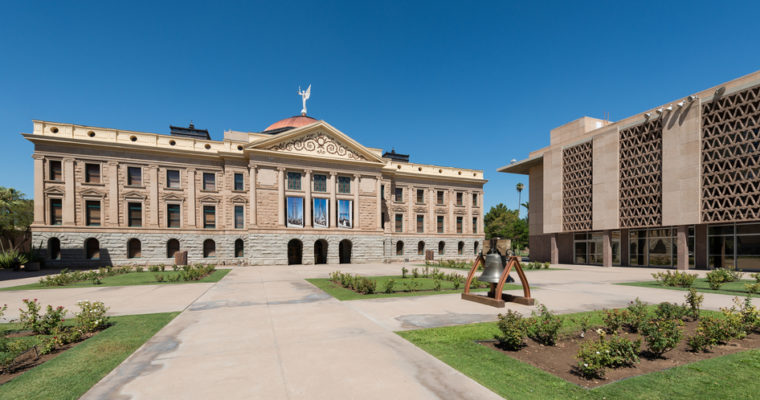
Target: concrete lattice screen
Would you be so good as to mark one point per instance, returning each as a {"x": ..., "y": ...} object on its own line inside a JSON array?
[
  {"x": 576, "y": 187},
  {"x": 731, "y": 157},
  {"x": 641, "y": 175}
]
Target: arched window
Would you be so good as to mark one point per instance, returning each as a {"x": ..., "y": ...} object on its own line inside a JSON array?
[
  {"x": 476, "y": 248},
  {"x": 239, "y": 248},
  {"x": 134, "y": 248},
  {"x": 460, "y": 248},
  {"x": 172, "y": 247},
  {"x": 92, "y": 249},
  {"x": 209, "y": 248},
  {"x": 421, "y": 248},
  {"x": 399, "y": 248},
  {"x": 54, "y": 248},
  {"x": 441, "y": 247}
]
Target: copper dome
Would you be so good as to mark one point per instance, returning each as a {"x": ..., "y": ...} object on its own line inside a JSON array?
[{"x": 290, "y": 123}]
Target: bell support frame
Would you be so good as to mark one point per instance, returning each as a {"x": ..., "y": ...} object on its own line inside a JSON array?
[{"x": 496, "y": 298}]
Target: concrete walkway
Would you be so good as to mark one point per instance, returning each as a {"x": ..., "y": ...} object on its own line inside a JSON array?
[{"x": 264, "y": 332}]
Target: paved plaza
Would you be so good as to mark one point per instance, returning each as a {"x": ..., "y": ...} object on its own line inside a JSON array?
[{"x": 264, "y": 332}]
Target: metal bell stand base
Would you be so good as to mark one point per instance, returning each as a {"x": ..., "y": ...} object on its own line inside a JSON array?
[{"x": 492, "y": 299}]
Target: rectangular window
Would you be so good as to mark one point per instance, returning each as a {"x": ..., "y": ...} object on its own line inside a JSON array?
[
  {"x": 474, "y": 199},
  {"x": 134, "y": 214},
  {"x": 55, "y": 173},
  {"x": 239, "y": 217},
  {"x": 399, "y": 223},
  {"x": 420, "y": 196},
  {"x": 294, "y": 181},
  {"x": 209, "y": 181},
  {"x": 56, "y": 212},
  {"x": 439, "y": 197},
  {"x": 172, "y": 178},
  {"x": 344, "y": 184},
  {"x": 92, "y": 213},
  {"x": 459, "y": 198},
  {"x": 239, "y": 185},
  {"x": 134, "y": 176},
  {"x": 474, "y": 224},
  {"x": 172, "y": 216},
  {"x": 382, "y": 191},
  {"x": 439, "y": 224},
  {"x": 420, "y": 223},
  {"x": 92, "y": 173},
  {"x": 459, "y": 224},
  {"x": 399, "y": 194},
  {"x": 320, "y": 183},
  {"x": 209, "y": 216}
]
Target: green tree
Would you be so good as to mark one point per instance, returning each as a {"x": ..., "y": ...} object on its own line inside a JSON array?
[
  {"x": 503, "y": 222},
  {"x": 16, "y": 214}
]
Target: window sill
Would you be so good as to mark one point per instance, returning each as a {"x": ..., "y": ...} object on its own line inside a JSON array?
[
  {"x": 53, "y": 181},
  {"x": 134, "y": 186},
  {"x": 174, "y": 189},
  {"x": 93, "y": 184},
  {"x": 209, "y": 191},
  {"x": 238, "y": 191}
]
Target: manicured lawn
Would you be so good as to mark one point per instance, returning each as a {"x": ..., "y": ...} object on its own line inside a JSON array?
[
  {"x": 733, "y": 288},
  {"x": 72, "y": 373},
  {"x": 424, "y": 289},
  {"x": 728, "y": 377},
  {"x": 132, "y": 278}
]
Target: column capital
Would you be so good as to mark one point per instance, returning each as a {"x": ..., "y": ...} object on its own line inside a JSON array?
[
  {"x": 38, "y": 156},
  {"x": 112, "y": 163},
  {"x": 308, "y": 171},
  {"x": 333, "y": 173},
  {"x": 191, "y": 169},
  {"x": 357, "y": 176},
  {"x": 252, "y": 165},
  {"x": 281, "y": 169}
]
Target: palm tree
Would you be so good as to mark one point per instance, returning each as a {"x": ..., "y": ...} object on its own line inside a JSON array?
[{"x": 519, "y": 187}]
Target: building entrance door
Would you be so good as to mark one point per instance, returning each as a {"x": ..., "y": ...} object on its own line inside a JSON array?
[
  {"x": 320, "y": 252},
  {"x": 345, "y": 251},
  {"x": 295, "y": 252}
]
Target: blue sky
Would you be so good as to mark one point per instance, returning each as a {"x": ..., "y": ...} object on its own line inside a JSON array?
[{"x": 468, "y": 84}]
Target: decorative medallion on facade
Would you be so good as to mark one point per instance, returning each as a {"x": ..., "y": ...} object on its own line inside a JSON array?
[
  {"x": 641, "y": 175},
  {"x": 318, "y": 143},
  {"x": 731, "y": 157},
  {"x": 576, "y": 187}
]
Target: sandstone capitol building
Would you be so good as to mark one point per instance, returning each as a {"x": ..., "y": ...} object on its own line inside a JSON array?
[{"x": 298, "y": 192}]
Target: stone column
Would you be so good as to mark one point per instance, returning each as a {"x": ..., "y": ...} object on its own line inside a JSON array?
[
  {"x": 39, "y": 189},
  {"x": 69, "y": 203},
  {"x": 333, "y": 204},
  {"x": 307, "y": 200},
  {"x": 379, "y": 219},
  {"x": 113, "y": 193},
  {"x": 553, "y": 250},
  {"x": 607, "y": 248},
  {"x": 452, "y": 203},
  {"x": 252, "y": 193},
  {"x": 410, "y": 200},
  {"x": 430, "y": 217},
  {"x": 467, "y": 219},
  {"x": 153, "y": 197},
  {"x": 191, "y": 219},
  {"x": 281, "y": 196},
  {"x": 357, "y": 224},
  {"x": 682, "y": 236}
]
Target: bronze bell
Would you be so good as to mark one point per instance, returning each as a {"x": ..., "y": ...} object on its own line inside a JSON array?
[{"x": 493, "y": 268}]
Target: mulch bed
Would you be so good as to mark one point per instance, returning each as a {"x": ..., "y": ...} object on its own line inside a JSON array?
[
  {"x": 560, "y": 360},
  {"x": 31, "y": 358}
]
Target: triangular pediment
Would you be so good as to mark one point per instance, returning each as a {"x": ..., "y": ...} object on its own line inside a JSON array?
[
  {"x": 208, "y": 199},
  {"x": 133, "y": 195},
  {"x": 173, "y": 197},
  {"x": 54, "y": 190},
  {"x": 91, "y": 193},
  {"x": 238, "y": 199},
  {"x": 319, "y": 140}
]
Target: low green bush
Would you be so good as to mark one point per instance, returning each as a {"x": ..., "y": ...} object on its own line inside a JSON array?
[
  {"x": 512, "y": 330},
  {"x": 91, "y": 317},
  {"x": 667, "y": 310},
  {"x": 614, "y": 319},
  {"x": 595, "y": 357},
  {"x": 756, "y": 276},
  {"x": 544, "y": 326},
  {"x": 694, "y": 301},
  {"x": 12, "y": 259},
  {"x": 437, "y": 285},
  {"x": 389, "y": 286},
  {"x": 675, "y": 278},
  {"x": 637, "y": 315},
  {"x": 662, "y": 335}
]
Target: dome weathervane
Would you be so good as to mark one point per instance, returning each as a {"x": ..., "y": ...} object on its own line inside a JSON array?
[{"x": 304, "y": 96}]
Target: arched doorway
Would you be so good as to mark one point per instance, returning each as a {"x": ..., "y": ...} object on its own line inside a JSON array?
[
  {"x": 441, "y": 247},
  {"x": 134, "y": 248},
  {"x": 209, "y": 248},
  {"x": 172, "y": 247},
  {"x": 295, "y": 252},
  {"x": 476, "y": 248},
  {"x": 345, "y": 251},
  {"x": 399, "y": 248},
  {"x": 460, "y": 248},
  {"x": 92, "y": 249},
  {"x": 54, "y": 248},
  {"x": 239, "y": 248},
  {"x": 320, "y": 251},
  {"x": 421, "y": 248}
]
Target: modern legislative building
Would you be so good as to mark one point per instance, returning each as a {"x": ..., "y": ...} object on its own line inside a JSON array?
[
  {"x": 300, "y": 191},
  {"x": 677, "y": 185}
]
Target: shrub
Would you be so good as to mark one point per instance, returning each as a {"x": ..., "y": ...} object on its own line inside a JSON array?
[
  {"x": 9, "y": 350},
  {"x": 756, "y": 275},
  {"x": 3, "y": 309},
  {"x": 715, "y": 330},
  {"x": 415, "y": 272},
  {"x": 719, "y": 276},
  {"x": 694, "y": 301},
  {"x": 624, "y": 351},
  {"x": 662, "y": 335},
  {"x": 752, "y": 288},
  {"x": 139, "y": 269},
  {"x": 366, "y": 286},
  {"x": 456, "y": 284},
  {"x": 750, "y": 316},
  {"x": 699, "y": 341},
  {"x": 30, "y": 318},
  {"x": 411, "y": 285},
  {"x": 733, "y": 321},
  {"x": 614, "y": 319},
  {"x": 675, "y": 278},
  {"x": 162, "y": 267},
  {"x": 595, "y": 357},
  {"x": 389, "y": 285},
  {"x": 437, "y": 285},
  {"x": 637, "y": 315},
  {"x": 52, "y": 320},
  {"x": 544, "y": 327},
  {"x": 404, "y": 271},
  {"x": 159, "y": 277},
  {"x": 175, "y": 267},
  {"x": 91, "y": 317},
  {"x": 667, "y": 310},
  {"x": 153, "y": 268},
  {"x": 96, "y": 280},
  {"x": 584, "y": 322},
  {"x": 512, "y": 328}
]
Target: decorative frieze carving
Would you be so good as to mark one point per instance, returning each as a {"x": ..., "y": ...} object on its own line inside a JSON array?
[{"x": 318, "y": 143}]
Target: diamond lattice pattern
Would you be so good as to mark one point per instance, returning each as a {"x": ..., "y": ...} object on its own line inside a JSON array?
[
  {"x": 641, "y": 175},
  {"x": 576, "y": 187},
  {"x": 731, "y": 157}
]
